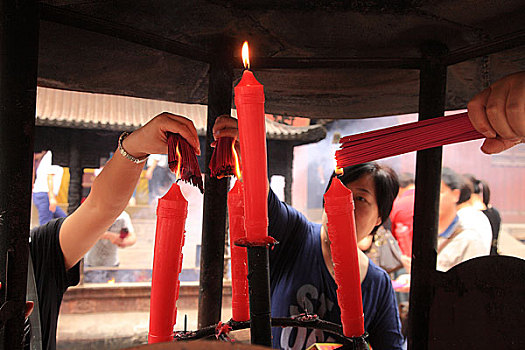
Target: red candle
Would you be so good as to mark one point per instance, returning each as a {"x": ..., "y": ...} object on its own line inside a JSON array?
[
  {"x": 239, "y": 265},
  {"x": 249, "y": 100},
  {"x": 339, "y": 207},
  {"x": 167, "y": 262}
]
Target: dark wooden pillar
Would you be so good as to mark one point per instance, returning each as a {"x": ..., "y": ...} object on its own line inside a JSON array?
[
  {"x": 432, "y": 89},
  {"x": 18, "y": 71},
  {"x": 215, "y": 195},
  {"x": 74, "y": 195}
]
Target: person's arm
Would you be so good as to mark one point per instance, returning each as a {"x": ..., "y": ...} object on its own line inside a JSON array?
[
  {"x": 51, "y": 193},
  {"x": 498, "y": 113},
  {"x": 114, "y": 186}
]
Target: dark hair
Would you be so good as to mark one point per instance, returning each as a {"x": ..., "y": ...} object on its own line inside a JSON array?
[
  {"x": 385, "y": 181},
  {"x": 466, "y": 189},
  {"x": 406, "y": 179},
  {"x": 480, "y": 187},
  {"x": 451, "y": 178},
  {"x": 485, "y": 190}
]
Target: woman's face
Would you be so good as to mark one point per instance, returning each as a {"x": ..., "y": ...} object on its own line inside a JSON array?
[{"x": 366, "y": 211}]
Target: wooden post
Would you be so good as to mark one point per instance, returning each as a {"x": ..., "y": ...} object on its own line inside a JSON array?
[
  {"x": 215, "y": 195},
  {"x": 18, "y": 72},
  {"x": 432, "y": 89}
]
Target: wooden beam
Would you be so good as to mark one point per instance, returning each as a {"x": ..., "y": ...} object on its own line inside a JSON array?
[
  {"x": 334, "y": 62},
  {"x": 121, "y": 31},
  {"x": 498, "y": 44}
]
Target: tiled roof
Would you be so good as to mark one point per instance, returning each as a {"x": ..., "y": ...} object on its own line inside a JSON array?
[{"x": 74, "y": 109}]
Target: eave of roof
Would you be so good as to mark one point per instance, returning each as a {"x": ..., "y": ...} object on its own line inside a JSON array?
[{"x": 82, "y": 110}]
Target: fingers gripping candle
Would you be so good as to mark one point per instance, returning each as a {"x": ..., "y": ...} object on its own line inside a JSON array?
[
  {"x": 339, "y": 206},
  {"x": 167, "y": 262}
]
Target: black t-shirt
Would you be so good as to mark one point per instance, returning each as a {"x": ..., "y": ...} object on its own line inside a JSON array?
[{"x": 51, "y": 277}]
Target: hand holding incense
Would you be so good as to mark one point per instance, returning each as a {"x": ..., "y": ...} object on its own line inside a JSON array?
[
  {"x": 392, "y": 141},
  {"x": 239, "y": 259},
  {"x": 339, "y": 206},
  {"x": 167, "y": 263},
  {"x": 183, "y": 162},
  {"x": 224, "y": 158}
]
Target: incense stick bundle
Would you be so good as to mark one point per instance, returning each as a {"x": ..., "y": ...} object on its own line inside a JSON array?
[
  {"x": 392, "y": 141},
  {"x": 222, "y": 160},
  {"x": 183, "y": 162}
]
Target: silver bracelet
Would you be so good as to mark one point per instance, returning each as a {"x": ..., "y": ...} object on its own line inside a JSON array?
[{"x": 126, "y": 154}]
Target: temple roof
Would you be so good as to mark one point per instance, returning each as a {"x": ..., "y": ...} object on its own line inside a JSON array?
[{"x": 83, "y": 110}]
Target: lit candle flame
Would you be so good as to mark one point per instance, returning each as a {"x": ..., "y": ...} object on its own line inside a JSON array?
[
  {"x": 237, "y": 163},
  {"x": 111, "y": 281},
  {"x": 179, "y": 162},
  {"x": 246, "y": 55},
  {"x": 339, "y": 171}
]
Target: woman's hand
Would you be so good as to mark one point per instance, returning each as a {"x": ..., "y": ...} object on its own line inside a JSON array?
[
  {"x": 152, "y": 139},
  {"x": 498, "y": 113},
  {"x": 225, "y": 126}
]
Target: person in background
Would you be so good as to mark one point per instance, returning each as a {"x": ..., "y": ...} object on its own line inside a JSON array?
[
  {"x": 470, "y": 215},
  {"x": 159, "y": 176},
  {"x": 120, "y": 234},
  {"x": 45, "y": 189},
  {"x": 402, "y": 215},
  {"x": 455, "y": 242},
  {"x": 57, "y": 247},
  {"x": 480, "y": 199}
]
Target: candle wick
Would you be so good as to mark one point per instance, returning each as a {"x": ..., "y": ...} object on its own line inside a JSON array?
[{"x": 185, "y": 322}]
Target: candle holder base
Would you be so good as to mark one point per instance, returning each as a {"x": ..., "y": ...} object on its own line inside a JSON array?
[{"x": 221, "y": 330}]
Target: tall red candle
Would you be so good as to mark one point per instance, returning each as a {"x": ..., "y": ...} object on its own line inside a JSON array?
[
  {"x": 339, "y": 207},
  {"x": 167, "y": 262},
  {"x": 239, "y": 265},
  {"x": 249, "y": 101}
]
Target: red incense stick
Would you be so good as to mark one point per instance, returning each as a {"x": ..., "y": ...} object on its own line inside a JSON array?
[
  {"x": 388, "y": 142},
  {"x": 223, "y": 160},
  {"x": 183, "y": 162}
]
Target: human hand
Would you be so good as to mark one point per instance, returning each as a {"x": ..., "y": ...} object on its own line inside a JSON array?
[
  {"x": 152, "y": 139},
  {"x": 498, "y": 113},
  {"x": 225, "y": 126},
  {"x": 52, "y": 204},
  {"x": 407, "y": 262},
  {"x": 127, "y": 241}
]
